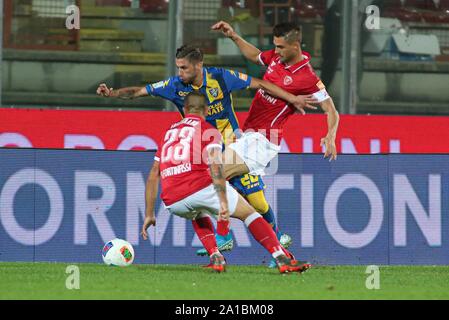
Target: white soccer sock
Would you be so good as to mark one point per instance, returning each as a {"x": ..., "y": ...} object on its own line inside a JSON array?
[
  {"x": 251, "y": 218},
  {"x": 277, "y": 253},
  {"x": 215, "y": 252}
]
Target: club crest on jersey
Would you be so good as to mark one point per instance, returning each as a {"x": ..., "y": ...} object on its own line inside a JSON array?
[
  {"x": 214, "y": 92},
  {"x": 288, "y": 80}
]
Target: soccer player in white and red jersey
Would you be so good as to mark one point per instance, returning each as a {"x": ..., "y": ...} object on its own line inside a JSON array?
[
  {"x": 189, "y": 167},
  {"x": 289, "y": 68}
]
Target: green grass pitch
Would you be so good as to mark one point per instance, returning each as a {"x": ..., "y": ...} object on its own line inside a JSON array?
[{"x": 97, "y": 281}]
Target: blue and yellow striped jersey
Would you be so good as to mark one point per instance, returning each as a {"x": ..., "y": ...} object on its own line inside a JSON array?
[{"x": 218, "y": 84}]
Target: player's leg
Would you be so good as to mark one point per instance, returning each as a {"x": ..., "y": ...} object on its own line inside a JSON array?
[
  {"x": 258, "y": 201},
  {"x": 204, "y": 229},
  {"x": 224, "y": 240},
  {"x": 252, "y": 189},
  {"x": 223, "y": 237},
  {"x": 243, "y": 184},
  {"x": 233, "y": 165},
  {"x": 264, "y": 234},
  {"x": 191, "y": 208}
]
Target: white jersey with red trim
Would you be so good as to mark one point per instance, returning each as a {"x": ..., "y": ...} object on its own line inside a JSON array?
[
  {"x": 183, "y": 157},
  {"x": 268, "y": 114}
]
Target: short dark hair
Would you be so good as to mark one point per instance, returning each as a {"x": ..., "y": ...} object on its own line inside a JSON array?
[
  {"x": 195, "y": 101},
  {"x": 289, "y": 30},
  {"x": 189, "y": 52}
]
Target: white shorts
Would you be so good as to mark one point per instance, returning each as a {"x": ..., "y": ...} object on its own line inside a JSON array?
[
  {"x": 204, "y": 202},
  {"x": 256, "y": 151}
]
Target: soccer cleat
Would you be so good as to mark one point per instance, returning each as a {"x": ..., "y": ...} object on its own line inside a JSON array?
[
  {"x": 286, "y": 265},
  {"x": 217, "y": 263},
  {"x": 289, "y": 254},
  {"x": 272, "y": 264},
  {"x": 285, "y": 240},
  {"x": 224, "y": 243}
]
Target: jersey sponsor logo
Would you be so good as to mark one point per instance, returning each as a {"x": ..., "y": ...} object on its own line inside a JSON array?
[
  {"x": 267, "y": 97},
  {"x": 160, "y": 84},
  {"x": 288, "y": 80},
  {"x": 183, "y": 93},
  {"x": 243, "y": 76},
  {"x": 215, "y": 108}
]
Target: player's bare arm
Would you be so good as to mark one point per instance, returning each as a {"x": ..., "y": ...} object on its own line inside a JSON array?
[
  {"x": 300, "y": 102},
  {"x": 219, "y": 180},
  {"x": 151, "y": 191},
  {"x": 333, "y": 119},
  {"x": 123, "y": 93},
  {"x": 248, "y": 50}
]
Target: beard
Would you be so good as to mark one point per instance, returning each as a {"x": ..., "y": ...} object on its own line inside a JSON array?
[
  {"x": 286, "y": 59},
  {"x": 187, "y": 80}
]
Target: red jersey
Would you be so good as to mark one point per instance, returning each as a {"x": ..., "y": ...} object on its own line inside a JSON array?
[
  {"x": 183, "y": 158},
  {"x": 269, "y": 113}
]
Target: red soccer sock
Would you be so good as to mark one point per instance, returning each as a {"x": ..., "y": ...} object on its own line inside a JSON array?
[
  {"x": 264, "y": 234},
  {"x": 205, "y": 231},
  {"x": 223, "y": 227}
]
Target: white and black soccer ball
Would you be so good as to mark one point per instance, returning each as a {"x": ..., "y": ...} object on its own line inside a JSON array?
[{"x": 118, "y": 252}]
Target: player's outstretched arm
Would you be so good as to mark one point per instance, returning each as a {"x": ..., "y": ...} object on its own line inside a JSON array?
[
  {"x": 151, "y": 190},
  {"x": 248, "y": 50},
  {"x": 124, "y": 93},
  {"x": 218, "y": 179},
  {"x": 333, "y": 119},
  {"x": 299, "y": 102}
]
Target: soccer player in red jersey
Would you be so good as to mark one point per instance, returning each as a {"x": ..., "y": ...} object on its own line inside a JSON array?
[
  {"x": 188, "y": 165},
  {"x": 289, "y": 68},
  {"x": 218, "y": 85}
]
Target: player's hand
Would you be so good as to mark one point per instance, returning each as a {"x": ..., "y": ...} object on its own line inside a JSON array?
[
  {"x": 302, "y": 102},
  {"x": 149, "y": 221},
  {"x": 224, "y": 212},
  {"x": 331, "y": 149},
  {"x": 103, "y": 90},
  {"x": 225, "y": 28}
]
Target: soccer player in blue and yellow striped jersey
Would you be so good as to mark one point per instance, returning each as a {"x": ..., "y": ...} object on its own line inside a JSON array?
[{"x": 217, "y": 85}]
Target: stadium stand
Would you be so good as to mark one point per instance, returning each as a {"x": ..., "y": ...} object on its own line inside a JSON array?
[{"x": 124, "y": 43}]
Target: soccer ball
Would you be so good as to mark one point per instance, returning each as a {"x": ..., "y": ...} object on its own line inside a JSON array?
[{"x": 118, "y": 252}]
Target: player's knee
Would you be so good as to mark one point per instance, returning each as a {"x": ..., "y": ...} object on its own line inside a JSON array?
[
  {"x": 243, "y": 209},
  {"x": 258, "y": 201}
]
